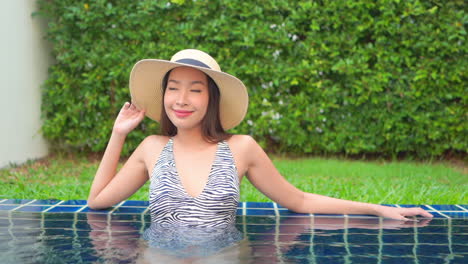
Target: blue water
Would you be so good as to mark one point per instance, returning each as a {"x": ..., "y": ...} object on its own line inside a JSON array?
[{"x": 36, "y": 237}]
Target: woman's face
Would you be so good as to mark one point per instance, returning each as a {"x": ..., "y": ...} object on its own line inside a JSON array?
[{"x": 186, "y": 97}]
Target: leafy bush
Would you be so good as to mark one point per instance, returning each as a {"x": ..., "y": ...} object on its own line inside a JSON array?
[{"x": 355, "y": 77}]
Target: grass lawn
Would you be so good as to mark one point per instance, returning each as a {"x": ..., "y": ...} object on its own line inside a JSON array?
[{"x": 61, "y": 177}]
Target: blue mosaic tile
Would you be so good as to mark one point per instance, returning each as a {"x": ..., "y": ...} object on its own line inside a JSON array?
[
  {"x": 446, "y": 207},
  {"x": 396, "y": 237},
  {"x": 258, "y": 205},
  {"x": 396, "y": 250},
  {"x": 147, "y": 217},
  {"x": 252, "y": 208},
  {"x": 260, "y": 212},
  {"x": 58, "y": 232},
  {"x": 327, "y": 238},
  {"x": 434, "y": 229},
  {"x": 75, "y": 202},
  {"x": 360, "y": 239},
  {"x": 129, "y": 210},
  {"x": 395, "y": 232},
  {"x": 45, "y": 202},
  {"x": 434, "y": 238},
  {"x": 4, "y": 207},
  {"x": 425, "y": 207},
  {"x": 254, "y": 238},
  {"x": 63, "y": 215},
  {"x": 290, "y": 213},
  {"x": 460, "y": 249},
  {"x": 371, "y": 249},
  {"x": 16, "y": 201},
  {"x": 322, "y": 258},
  {"x": 56, "y": 224},
  {"x": 456, "y": 214},
  {"x": 136, "y": 203},
  {"x": 415, "y": 205},
  {"x": 260, "y": 228},
  {"x": 437, "y": 215},
  {"x": 435, "y": 249},
  {"x": 459, "y": 229},
  {"x": 402, "y": 260},
  {"x": 64, "y": 209},
  {"x": 87, "y": 209},
  {"x": 127, "y": 217},
  {"x": 82, "y": 225},
  {"x": 460, "y": 239},
  {"x": 330, "y": 251},
  {"x": 32, "y": 208}
]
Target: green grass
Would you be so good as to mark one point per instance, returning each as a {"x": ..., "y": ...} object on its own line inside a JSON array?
[
  {"x": 375, "y": 182},
  {"x": 65, "y": 178}
]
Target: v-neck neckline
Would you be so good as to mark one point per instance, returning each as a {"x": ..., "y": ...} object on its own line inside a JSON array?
[{"x": 208, "y": 178}]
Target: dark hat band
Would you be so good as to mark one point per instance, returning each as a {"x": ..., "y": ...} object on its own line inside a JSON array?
[{"x": 194, "y": 63}]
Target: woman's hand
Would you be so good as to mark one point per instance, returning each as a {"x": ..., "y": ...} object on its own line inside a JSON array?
[
  {"x": 129, "y": 117},
  {"x": 401, "y": 213}
]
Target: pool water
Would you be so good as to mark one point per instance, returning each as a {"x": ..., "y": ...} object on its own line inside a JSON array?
[{"x": 28, "y": 236}]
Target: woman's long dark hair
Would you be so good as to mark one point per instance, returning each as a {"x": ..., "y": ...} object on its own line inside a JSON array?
[{"x": 212, "y": 131}]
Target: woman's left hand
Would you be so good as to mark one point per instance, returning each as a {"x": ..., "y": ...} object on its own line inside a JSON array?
[{"x": 402, "y": 213}]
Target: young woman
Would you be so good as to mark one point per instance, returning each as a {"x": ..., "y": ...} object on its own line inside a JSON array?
[{"x": 195, "y": 167}]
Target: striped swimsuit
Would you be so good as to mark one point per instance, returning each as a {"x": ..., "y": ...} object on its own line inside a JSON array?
[{"x": 216, "y": 206}]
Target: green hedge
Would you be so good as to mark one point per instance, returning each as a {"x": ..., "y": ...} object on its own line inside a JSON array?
[{"x": 352, "y": 77}]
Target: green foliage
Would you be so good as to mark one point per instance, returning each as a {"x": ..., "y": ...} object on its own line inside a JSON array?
[{"x": 355, "y": 77}]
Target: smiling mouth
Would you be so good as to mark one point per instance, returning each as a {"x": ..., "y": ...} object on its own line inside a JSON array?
[{"x": 182, "y": 113}]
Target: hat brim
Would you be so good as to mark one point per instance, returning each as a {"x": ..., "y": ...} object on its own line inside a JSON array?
[{"x": 147, "y": 92}]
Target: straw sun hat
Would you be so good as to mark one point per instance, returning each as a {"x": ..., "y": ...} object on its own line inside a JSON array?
[{"x": 147, "y": 92}]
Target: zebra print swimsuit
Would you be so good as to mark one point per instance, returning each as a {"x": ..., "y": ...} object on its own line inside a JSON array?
[{"x": 215, "y": 206}]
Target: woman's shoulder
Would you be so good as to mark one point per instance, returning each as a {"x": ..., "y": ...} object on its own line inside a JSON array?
[
  {"x": 246, "y": 139},
  {"x": 150, "y": 149},
  {"x": 245, "y": 150},
  {"x": 154, "y": 142},
  {"x": 241, "y": 142}
]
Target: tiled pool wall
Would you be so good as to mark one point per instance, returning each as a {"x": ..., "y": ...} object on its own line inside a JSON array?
[
  {"x": 275, "y": 234},
  {"x": 244, "y": 208}
]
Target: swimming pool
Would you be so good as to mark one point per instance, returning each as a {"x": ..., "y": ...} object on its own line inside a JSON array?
[{"x": 53, "y": 231}]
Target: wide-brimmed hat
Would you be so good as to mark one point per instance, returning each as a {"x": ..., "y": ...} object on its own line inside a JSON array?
[{"x": 147, "y": 92}]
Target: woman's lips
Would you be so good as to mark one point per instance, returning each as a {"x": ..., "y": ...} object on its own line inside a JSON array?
[{"x": 182, "y": 113}]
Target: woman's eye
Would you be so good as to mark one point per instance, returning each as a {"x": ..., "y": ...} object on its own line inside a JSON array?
[
  {"x": 196, "y": 91},
  {"x": 172, "y": 89}
]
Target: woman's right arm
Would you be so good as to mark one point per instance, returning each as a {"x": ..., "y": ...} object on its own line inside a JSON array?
[{"x": 110, "y": 187}]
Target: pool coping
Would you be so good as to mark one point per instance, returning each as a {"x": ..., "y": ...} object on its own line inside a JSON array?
[{"x": 243, "y": 209}]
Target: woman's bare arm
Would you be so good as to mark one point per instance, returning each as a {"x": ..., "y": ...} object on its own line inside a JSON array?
[
  {"x": 110, "y": 187},
  {"x": 264, "y": 176}
]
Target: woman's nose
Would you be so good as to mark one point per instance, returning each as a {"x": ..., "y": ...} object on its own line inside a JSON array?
[{"x": 182, "y": 98}]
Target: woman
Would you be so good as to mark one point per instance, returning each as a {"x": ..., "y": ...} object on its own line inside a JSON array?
[{"x": 195, "y": 167}]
